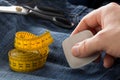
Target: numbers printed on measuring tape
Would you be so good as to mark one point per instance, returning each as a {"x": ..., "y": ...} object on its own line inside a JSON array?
[
  {"x": 30, "y": 51},
  {"x": 27, "y": 41}
]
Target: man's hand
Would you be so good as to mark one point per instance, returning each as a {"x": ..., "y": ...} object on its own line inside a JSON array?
[{"x": 104, "y": 22}]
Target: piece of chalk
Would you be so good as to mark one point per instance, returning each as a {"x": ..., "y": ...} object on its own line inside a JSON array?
[{"x": 75, "y": 62}]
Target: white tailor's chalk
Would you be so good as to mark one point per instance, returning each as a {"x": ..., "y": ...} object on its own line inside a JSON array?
[{"x": 75, "y": 62}]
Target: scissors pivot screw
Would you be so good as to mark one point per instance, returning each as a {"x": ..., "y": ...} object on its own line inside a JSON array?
[{"x": 19, "y": 9}]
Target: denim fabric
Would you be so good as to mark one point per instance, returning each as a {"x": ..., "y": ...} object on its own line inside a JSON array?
[
  {"x": 56, "y": 67},
  {"x": 92, "y": 3},
  {"x": 88, "y": 3}
]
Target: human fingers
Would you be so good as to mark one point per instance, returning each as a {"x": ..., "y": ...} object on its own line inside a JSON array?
[
  {"x": 88, "y": 47},
  {"x": 99, "y": 18},
  {"x": 108, "y": 61},
  {"x": 90, "y": 22}
]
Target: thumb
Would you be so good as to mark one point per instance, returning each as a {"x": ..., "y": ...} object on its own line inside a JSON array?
[{"x": 87, "y": 47}]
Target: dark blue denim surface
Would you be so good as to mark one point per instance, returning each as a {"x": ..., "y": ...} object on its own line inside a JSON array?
[
  {"x": 56, "y": 67},
  {"x": 92, "y": 3}
]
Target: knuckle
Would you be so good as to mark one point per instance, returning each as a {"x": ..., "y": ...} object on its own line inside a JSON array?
[
  {"x": 100, "y": 36},
  {"x": 84, "y": 46},
  {"x": 110, "y": 7},
  {"x": 113, "y": 4},
  {"x": 84, "y": 20},
  {"x": 100, "y": 40},
  {"x": 83, "y": 49}
]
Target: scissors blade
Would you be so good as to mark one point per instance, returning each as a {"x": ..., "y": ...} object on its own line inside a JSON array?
[{"x": 14, "y": 9}]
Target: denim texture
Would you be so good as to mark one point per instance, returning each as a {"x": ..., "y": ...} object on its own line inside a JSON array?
[
  {"x": 56, "y": 67},
  {"x": 92, "y": 3},
  {"x": 88, "y": 3}
]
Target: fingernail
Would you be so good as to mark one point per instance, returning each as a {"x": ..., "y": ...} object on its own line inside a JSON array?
[{"x": 75, "y": 50}]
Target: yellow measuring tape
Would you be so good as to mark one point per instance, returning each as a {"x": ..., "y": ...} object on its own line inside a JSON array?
[{"x": 30, "y": 51}]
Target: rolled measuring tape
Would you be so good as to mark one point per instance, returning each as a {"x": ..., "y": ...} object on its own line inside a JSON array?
[{"x": 30, "y": 51}]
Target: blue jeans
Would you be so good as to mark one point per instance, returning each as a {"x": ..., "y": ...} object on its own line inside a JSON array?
[
  {"x": 88, "y": 3},
  {"x": 56, "y": 67},
  {"x": 92, "y": 3}
]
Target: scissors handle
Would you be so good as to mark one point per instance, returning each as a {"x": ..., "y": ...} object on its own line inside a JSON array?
[
  {"x": 50, "y": 11},
  {"x": 46, "y": 10},
  {"x": 63, "y": 22},
  {"x": 57, "y": 20}
]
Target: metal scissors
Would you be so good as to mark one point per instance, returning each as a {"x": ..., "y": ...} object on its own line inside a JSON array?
[{"x": 47, "y": 13}]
